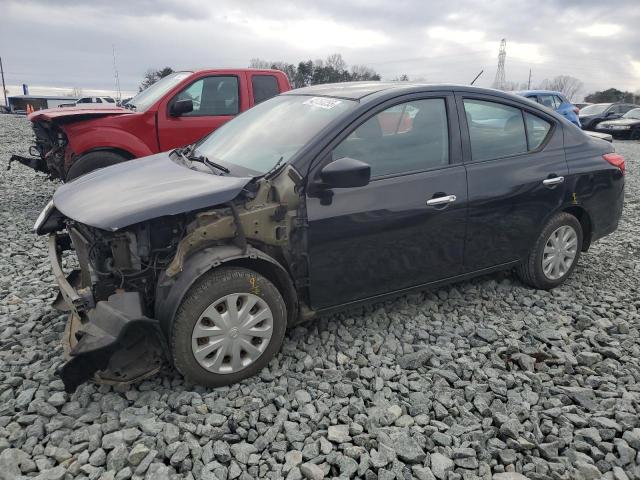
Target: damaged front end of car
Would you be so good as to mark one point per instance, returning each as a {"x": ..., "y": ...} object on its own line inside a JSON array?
[
  {"x": 127, "y": 282},
  {"x": 110, "y": 297},
  {"x": 48, "y": 153}
]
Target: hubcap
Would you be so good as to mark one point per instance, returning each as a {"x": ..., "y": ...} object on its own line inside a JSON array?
[
  {"x": 559, "y": 252},
  {"x": 232, "y": 333}
]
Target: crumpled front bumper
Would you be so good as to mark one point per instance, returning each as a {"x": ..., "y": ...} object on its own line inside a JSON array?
[{"x": 110, "y": 340}]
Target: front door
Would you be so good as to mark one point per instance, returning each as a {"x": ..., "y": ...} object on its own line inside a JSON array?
[
  {"x": 515, "y": 169},
  {"x": 216, "y": 100},
  {"x": 406, "y": 227}
]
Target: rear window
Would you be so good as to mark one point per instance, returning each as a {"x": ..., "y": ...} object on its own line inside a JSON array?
[
  {"x": 537, "y": 130},
  {"x": 495, "y": 130},
  {"x": 264, "y": 87}
]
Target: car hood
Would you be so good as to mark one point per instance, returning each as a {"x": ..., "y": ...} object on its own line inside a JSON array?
[
  {"x": 76, "y": 113},
  {"x": 131, "y": 192},
  {"x": 621, "y": 121}
]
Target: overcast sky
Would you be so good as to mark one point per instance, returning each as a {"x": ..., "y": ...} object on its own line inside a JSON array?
[{"x": 70, "y": 44}]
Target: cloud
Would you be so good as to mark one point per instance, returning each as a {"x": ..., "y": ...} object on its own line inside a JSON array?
[
  {"x": 69, "y": 43},
  {"x": 600, "y": 30}
]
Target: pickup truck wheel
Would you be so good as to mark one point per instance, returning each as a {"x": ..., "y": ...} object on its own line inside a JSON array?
[
  {"x": 555, "y": 253},
  {"x": 92, "y": 161},
  {"x": 228, "y": 327}
]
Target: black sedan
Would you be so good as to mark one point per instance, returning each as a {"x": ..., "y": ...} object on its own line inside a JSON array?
[
  {"x": 313, "y": 201},
  {"x": 591, "y": 115},
  {"x": 627, "y": 126}
]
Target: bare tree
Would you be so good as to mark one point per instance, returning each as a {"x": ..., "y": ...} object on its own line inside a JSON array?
[
  {"x": 566, "y": 84},
  {"x": 259, "y": 63},
  {"x": 76, "y": 92},
  {"x": 336, "y": 61},
  {"x": 402, "y": 78},
  {"x": 362, "y": 72}
]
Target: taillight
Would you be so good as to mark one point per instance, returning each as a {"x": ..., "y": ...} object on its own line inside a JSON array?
[{"x": 615, "y": 159}]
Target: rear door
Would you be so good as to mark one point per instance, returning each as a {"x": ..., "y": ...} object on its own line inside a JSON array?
[
  {"x": 516, "y": 170},
  {"x": 264, "y": 85},
  {"x": 406, "y": 227},
  {"x": 216, "y": 100}
]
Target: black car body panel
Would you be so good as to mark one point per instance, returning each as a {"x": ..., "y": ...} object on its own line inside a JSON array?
[
  {"x": 115, "y": 197},
  {"x": 326, "y": 248}
]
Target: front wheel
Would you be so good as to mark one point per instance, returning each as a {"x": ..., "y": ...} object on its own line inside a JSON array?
[
  {"x": 555, "y": 253},
  {"x": 92, "y": 161},
  {"x": 228, "y": 327}
]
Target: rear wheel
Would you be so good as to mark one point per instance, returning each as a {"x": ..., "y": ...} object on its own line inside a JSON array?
[
  {"x": 555, "y": 253},
  {"x": 228, "y": 327},
  {"x": 92, "y": 161}
]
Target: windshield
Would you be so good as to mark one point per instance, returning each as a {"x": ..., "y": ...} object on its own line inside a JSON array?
[
  {"x": 148, "y": 97},
  {"x": 275, "y": 129},
  {"x": 634, "y": 113},
  {"x": 594, "y": 109}
]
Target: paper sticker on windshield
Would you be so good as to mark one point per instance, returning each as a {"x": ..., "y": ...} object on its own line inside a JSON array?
[{"x": 322, "y": 102}]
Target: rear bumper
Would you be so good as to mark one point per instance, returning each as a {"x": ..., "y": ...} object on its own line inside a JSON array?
[{"x": 110, "y": 340}]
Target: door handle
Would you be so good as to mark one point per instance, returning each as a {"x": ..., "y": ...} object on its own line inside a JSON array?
[
  {"x": 441, "y": 200},
  {"x": 553, "y": 181}
]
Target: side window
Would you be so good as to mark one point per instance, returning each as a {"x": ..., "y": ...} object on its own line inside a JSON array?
[
  {"x": 98, "y": 100},
  {"x": 558, "y": 101},
  {"x": 408, "y": 137},
  {"x": 264, "y": 87},
  {"x": 84, "y": 100},
  {"x": 547, "y": 101},
  {"x": 212, "y": 96},
  {"x": 495, "y": 130},
  {"x": 537, "y": 130},
  {"x": 109, "y": 100},
  {"x": 625, "y": 108}
]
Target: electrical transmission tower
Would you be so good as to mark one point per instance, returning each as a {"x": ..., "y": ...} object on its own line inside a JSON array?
[
  {"x": 500, "y": 81},
  {"x": 115, "y": 73}
]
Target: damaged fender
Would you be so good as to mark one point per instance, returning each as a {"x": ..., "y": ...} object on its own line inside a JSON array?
[{"x": 171, "y": 290}]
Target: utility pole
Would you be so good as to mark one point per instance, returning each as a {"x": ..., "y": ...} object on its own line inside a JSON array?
[
  {"x": 529, "y": 84},
  {"x": 4, "y": 89}
]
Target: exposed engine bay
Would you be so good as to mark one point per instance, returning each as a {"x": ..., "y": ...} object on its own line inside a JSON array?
[{"x": 122, "y": 298}]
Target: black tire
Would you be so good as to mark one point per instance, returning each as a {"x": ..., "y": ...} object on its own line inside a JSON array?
[
  {"x": 212, "y": 286},
  {"x": 92, "y": 161},
  {"x": 530, "y": 271}
]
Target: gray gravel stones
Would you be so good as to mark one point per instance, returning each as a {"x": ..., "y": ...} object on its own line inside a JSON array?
[{"x": 486, "y": 379}]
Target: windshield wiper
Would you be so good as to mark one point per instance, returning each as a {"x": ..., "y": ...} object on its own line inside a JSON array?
[
  {"x": 209, "y": 163},
  {"x": 275, "y": 169}
]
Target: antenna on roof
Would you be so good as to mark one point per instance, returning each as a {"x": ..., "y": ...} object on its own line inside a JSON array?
[
  {"x": 115, "y": 73},
  {"x": 477, "y": 76}
]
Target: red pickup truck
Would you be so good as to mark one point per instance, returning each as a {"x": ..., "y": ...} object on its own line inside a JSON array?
[{"x": 176, "y": 111}]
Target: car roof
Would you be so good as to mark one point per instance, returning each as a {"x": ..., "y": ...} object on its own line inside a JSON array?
[
  {"x": 360, "y": 90},
  {"x": 538, "y": 92}
]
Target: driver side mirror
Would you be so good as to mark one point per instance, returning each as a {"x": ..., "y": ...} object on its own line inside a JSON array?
[
  {"x": 180, "y": 107},
  {"x": 611, "y": 114},
  {"x": 345, "y": 173}
]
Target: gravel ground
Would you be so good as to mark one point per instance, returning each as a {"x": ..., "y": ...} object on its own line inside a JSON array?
[{"x": 482, "y": 379}]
